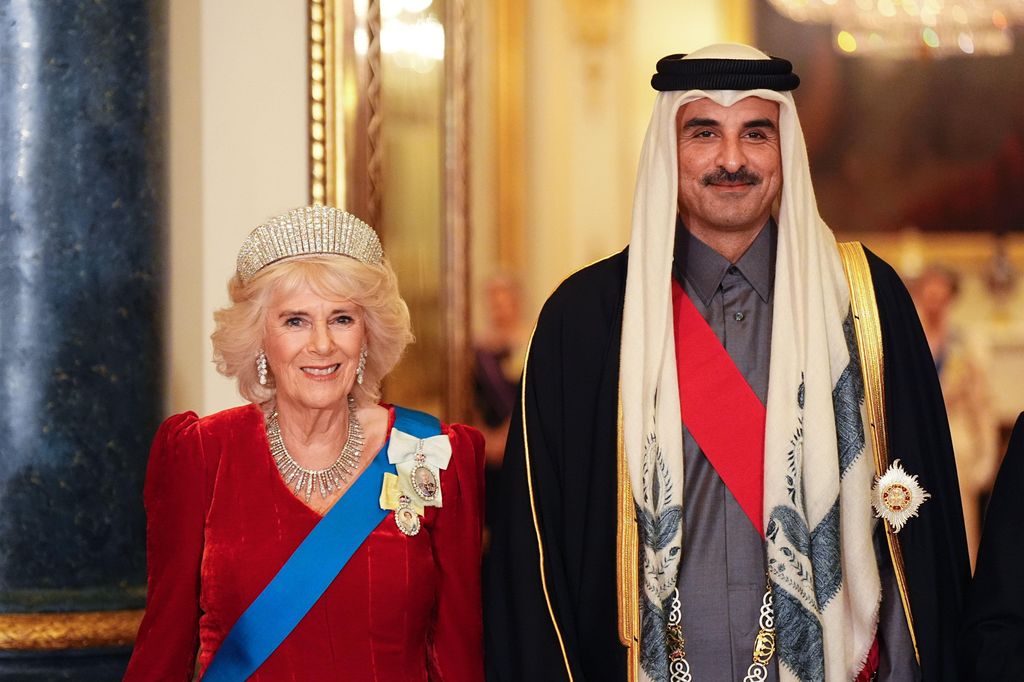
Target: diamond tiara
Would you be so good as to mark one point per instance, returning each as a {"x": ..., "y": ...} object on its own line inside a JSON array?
[{"x": 310, "y": 231}]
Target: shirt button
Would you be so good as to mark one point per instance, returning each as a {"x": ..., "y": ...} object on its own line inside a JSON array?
[
  {"x": 733, "y": 270},
  {"x": 738, "y": 317}
]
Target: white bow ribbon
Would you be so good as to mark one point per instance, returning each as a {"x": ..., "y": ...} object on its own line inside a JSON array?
[
  {"x": 437, "y": 450},
  {"x": 402, "y": 451}
]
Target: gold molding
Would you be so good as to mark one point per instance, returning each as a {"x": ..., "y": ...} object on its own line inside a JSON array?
[
  {"x": 76, "y": 630},
  {"x": 374, "y": 115},
  {"x": 344, "y": 107},
  {"x": 455, "y": 238},
  {"x": 322, "y": 149}
]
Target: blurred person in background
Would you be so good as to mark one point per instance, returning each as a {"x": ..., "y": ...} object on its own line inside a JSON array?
[
  {"x": 497, "y": 364},
  {"x": 961, "y": 362}
]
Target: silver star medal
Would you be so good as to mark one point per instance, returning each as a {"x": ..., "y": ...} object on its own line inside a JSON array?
[{"x": 897, "y": 496}]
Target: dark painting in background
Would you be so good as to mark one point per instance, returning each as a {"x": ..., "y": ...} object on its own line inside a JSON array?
[{"x": 925, "y": 141}]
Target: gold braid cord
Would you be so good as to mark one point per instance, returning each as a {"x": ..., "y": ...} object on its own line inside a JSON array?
[
  {"x": 56, "y": 631},
  {"x": 869, "y": 344},
  {"x": 626, "y": 563}
]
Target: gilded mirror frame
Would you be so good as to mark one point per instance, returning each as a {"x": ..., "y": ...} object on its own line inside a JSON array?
[{"x": 347, "y": 124}]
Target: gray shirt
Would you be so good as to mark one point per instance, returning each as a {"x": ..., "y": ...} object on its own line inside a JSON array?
[{"x": 722, "y": 576}]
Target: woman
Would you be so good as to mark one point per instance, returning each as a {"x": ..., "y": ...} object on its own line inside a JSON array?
[{"x": 253, "y": 511}]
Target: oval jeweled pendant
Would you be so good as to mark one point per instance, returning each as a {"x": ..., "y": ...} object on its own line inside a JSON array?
[
  {"x": 424, "y": 482},
  {"x": 407, "y": 520}
]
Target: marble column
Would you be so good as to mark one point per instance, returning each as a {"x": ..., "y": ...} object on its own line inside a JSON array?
[{"x": 81, "y": 299}]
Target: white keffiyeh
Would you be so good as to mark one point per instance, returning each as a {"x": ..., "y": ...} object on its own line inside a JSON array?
[{"x": 818, "y": 468}]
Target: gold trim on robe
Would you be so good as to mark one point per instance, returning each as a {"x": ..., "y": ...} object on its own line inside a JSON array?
[
  {"x": 872, "y": 362},
  {"x": 627, "y": 557},
  {"x": 533, "y": 513}
]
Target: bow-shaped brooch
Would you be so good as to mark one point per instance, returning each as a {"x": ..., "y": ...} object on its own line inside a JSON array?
[{"x": 418, "y": 485}]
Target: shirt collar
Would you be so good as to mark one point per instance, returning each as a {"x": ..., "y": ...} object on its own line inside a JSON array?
[{"x": 704, "y": 268}]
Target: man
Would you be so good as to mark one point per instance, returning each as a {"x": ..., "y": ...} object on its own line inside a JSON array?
[{"x": 729, "y": 358}]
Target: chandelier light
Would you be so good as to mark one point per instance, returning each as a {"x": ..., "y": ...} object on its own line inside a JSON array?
[{"x": 907, "y": 28}]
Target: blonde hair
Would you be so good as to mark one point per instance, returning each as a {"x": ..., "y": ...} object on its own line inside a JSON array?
[{"x": 240, "y": 327}]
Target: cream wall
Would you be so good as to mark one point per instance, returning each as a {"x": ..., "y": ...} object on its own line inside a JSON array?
[
  {"x": 237, "y": 155},
  {"x": 587, "y": 112}
]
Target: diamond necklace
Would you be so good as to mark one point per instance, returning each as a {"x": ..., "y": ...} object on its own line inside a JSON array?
[{"x": 325, "y": 481}]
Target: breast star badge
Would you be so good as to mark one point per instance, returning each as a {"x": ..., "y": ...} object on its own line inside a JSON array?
[{"x": 897, "y": 496}]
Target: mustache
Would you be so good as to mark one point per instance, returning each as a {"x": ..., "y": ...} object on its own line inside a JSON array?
[{"x": 721, "y": 176}]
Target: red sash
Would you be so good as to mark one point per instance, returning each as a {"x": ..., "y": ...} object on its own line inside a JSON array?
[
  {"x": 719, "y": 408},
  {"x": 725, "y": 417}
]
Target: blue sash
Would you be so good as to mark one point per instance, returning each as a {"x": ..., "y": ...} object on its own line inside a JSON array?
[{"x": 313, "y": 566}]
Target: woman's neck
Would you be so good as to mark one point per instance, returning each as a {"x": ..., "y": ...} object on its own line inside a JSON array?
[{"x": 313, "y": 433}]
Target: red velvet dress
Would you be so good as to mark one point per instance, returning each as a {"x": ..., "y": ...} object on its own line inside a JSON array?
[{"x": 220, "y": 523}]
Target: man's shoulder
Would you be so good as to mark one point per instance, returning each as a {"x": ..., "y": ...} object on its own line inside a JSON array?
[
  {"x": 889, "y": 287},
  {"x": 881, "y": 272},
  {"x": 600, "y": 285},
  {"x": 890, "y": 292}
]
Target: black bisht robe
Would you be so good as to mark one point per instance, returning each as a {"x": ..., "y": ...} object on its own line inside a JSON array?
[
  {"x": 571, "y": 398},
  {"x": 993, "y": 636}
]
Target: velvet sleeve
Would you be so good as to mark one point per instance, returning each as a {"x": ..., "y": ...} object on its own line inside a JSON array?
[
  {"x": 175, "y": 501},
  {"x": 456, "y": 636}
]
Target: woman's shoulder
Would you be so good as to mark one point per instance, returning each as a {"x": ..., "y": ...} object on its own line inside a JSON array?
[
  {"x": 225, "y": 419},
  {"x": 464, "y": 434},
  {"x": 242, "y": 415},
  {"x": 188, "y": 447},
  {"x": 189, "y": 432},
  {"x": 224, "y": 424},
  {"x": 467, "y": 450}
]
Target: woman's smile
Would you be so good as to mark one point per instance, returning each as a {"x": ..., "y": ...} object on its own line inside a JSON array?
[{"x": 322, "y": 372}]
